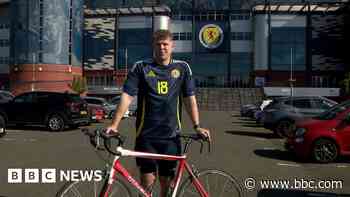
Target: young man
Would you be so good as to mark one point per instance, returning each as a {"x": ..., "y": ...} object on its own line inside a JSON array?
[{"x": 160, "y": 84}]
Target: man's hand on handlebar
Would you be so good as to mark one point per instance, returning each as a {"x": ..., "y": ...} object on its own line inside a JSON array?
[
  {"x": 111, "y": 130},
  {"x": 204, "y": 133}
]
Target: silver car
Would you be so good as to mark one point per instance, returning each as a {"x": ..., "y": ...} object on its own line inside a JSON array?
[
  {"x": 107, "y": 107},
  {"x": 282, "y": 113}
]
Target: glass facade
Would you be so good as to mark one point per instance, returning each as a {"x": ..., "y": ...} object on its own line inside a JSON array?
[
  {"x": 134, "y": 45},
  {"x": 77, "y": 32},
  {"x": 41, "y": 31},
  {"x": 99, "y": 43},
  {"x": 55, "y": 38},
  {"x": 205, "y": 5},
  {"x": 246, "y": 50},
  {"x": 210, "y": 70},
  {"x": 288, "y": 48},
  {"x": 26, "y": 31}
]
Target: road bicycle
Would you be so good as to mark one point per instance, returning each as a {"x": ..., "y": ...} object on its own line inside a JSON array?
[{"x": 205, "y": 183}]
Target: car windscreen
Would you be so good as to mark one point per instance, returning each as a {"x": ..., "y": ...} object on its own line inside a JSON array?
[{"x": 332, "y": 112}]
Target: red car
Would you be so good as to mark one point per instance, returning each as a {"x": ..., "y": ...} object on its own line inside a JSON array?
[{"x": 324, "y": 137}]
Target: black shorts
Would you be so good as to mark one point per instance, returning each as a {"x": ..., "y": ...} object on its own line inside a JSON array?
[{"x": 159, "y": 146}]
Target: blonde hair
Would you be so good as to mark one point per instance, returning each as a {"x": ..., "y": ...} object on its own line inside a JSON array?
[{"x": 162, "y": 35}]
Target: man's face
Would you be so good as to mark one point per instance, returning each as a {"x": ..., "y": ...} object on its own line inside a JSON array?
[{"x": 163, "y": 49}]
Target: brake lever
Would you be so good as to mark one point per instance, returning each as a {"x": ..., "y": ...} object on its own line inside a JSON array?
[
  {"x": 201, "y": 146},
  {"x": 209, "y": 146}
]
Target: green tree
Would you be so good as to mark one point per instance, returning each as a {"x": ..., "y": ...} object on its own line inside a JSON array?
[{"x": 79, "y": 84}]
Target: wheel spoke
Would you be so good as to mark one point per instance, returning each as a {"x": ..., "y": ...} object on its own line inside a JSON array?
[
  {"x": 208, "y": 185},
  {"x": 86, "y": 189},
  {"x": 223, "y": 188},
  {"x": 218, "y": 184}
]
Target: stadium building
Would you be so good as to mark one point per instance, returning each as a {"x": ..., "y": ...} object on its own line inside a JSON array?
[{"x": 228, "y": 43}]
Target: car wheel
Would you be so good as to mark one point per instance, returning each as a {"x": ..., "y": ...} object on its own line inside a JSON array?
[
  {"x": 324, "y": 150},
  {"x": 2, "y": 126},
  {"x": 285, "y": 128},
  {"x": 55, "y": 123}
]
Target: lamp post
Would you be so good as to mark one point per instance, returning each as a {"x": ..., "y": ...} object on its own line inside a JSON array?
[
  {"x": 33, "y": 74},
  {"x": 291, "y": 80}
]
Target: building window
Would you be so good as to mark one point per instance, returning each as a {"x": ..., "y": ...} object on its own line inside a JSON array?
[
  {"x": 4, "y": 43},
  {"x": 288, "y": 48},
  {"x": 235, "y": 17},
  {"x": 4, "y": 26},
  {"x": 182, "y": 17},
  {"x": 178, "y": 5},
  {"x": 241, "y": 36},
  {"x": 182, "y": 36},
  {"x": 4, "y": 60},
  {"x": 212, "y": 4},
  {"x": 211, "y": 16}
]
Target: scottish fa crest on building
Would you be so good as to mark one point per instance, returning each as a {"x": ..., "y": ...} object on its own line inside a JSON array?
[{"x": 211, "y": 36}]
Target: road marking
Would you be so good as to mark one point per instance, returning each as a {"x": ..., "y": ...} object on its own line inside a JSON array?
[
  {"x": 14, "y": 131},
  {"x": 8, "y": 139},
  {"x": 288, "y": 164},
  {"x": 260, "y": 139},
  {"x": 341, "y": 166},
  {"x": 269, "y": 148},
  {"x": 24, "y": 140}
]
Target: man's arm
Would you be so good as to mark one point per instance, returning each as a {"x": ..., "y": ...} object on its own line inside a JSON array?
[
  {"x": 192, "y": 110},
  {"x": 123, "y": 106}
]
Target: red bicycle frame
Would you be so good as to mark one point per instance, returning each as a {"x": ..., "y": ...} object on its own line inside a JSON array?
[{"x": 118, "y": 168}]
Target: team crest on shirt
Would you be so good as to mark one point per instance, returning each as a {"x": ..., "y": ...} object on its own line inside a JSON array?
[{"x": 175, "y": 73}]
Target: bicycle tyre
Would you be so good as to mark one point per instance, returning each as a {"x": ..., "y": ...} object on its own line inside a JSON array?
[
  {"x": 187, "y": 189},
  {"x": 92, "y": 189}
]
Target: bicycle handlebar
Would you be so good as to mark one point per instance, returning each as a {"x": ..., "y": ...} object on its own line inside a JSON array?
[{"x": 99, "y": 134}]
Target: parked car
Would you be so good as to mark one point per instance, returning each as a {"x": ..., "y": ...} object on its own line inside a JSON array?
[
  {"x": 282, "y": 113},
  {"x": 96, "y": 112},
  {"x": 2, "y": 127},
  {"x": 53, "y": 109},
  {"x": 115, "y": 100},
  {"x": 248, "y": 110},
  {"x": 324, "y": 137},
  {"x": 107, "y": 107},
  {"x": 259, "y": 112},
  {"x": 5, "y": 96},
  {"x": 132, "y": 107}
]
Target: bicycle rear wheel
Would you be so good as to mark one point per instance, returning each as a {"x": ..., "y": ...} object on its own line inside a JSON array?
[
  {"x": 92, "y": 189},
  {"x": 217, "y": 183}
]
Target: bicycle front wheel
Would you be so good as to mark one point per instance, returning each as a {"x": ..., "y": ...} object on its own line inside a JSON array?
[
  {"x": 215, "y": 182},
  {"x": 93, "y": 189}
]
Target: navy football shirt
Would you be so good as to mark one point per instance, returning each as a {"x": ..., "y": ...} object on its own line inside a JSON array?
[{"x": 159, "y": 91}]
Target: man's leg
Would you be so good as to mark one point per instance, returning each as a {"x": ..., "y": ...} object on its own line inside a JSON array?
[
  {"x": 148, "y": 167},
  {"x": 167, "y": 168},
  {"x": 147, "y": 180},
  {"x": 165, "y": 182}
]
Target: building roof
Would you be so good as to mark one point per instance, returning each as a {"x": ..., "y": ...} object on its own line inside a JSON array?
[
  {"x": 127, "y": 11},
  {"x": 298, "y": 5}
]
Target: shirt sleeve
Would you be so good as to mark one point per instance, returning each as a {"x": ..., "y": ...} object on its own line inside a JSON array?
[
  {"x": 188, "y": 87},
  {"x": 131, "y": 85}
]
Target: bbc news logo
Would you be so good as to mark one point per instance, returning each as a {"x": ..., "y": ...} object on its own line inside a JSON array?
[{"x": 51, "y": 175}]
